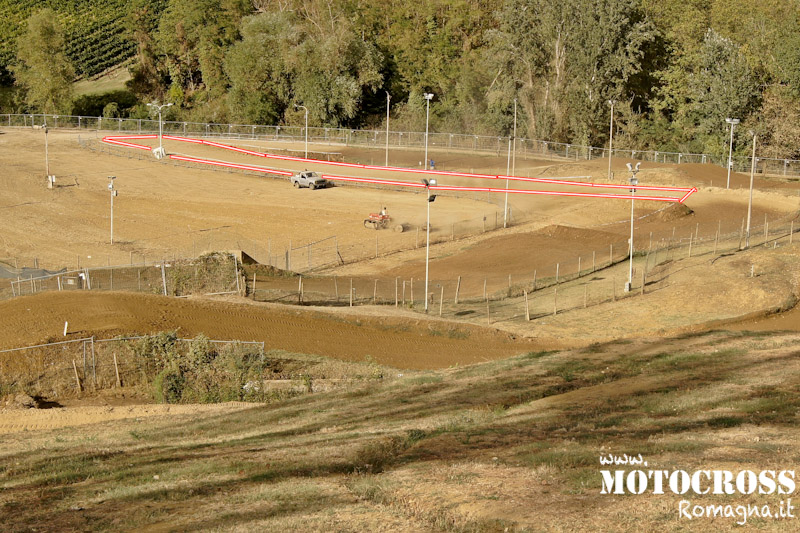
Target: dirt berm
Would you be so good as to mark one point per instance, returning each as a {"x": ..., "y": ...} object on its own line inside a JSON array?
[{"x": 399, "y": 342}]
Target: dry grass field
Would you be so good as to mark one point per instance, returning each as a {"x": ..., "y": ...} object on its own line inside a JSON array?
[{"x": 478, "y": 420}]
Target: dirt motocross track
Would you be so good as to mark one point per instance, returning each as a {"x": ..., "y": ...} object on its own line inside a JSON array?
[
  {"x": 162, "y": 208},
  {"x": 398, "y": 342}
]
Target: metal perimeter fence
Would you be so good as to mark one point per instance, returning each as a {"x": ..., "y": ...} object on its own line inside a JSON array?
[
  {"x": 214, "y": 273},
  {"x": 524, "y": 148},
  {"x": 596, "y": 277},
  {"x": 222, "y": 273},
  {"x": 58, "y": 369}
]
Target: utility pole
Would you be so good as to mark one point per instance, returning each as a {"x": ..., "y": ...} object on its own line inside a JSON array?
[
  {"x": 733, "y": 122},
  {"x": 113, "y": 194},
  {"x": 428, "y": 98},
  {"x": 388, "y": 97},
  {"x": 610, "y": 137},
  {"x": 750, "y": 202},
  {"x": 634, "y": 182}
]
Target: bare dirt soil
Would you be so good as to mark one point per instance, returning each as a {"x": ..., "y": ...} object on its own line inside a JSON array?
[
  {"x": 398, "y": 342},
  {"x": 162, "y": 208},
  {"x": 510, "y": 444}
]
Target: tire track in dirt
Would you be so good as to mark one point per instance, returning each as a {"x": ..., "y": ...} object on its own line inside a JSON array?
[{"x": 397, "y": 342}]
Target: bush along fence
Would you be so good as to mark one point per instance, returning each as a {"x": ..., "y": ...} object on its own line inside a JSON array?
[
  {"x": 593, "y": 278},
  {"x": 524, "y": 148},
  {"x": 172, "y": 369}
]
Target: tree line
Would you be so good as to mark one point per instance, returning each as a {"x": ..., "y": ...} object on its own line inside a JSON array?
[{"x": 675, "y": 69}]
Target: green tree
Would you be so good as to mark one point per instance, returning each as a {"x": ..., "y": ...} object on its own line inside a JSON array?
[
  {"x": 331, "y": 67},
  {"x": 315, "y": 58},
  {"x": 192, "y": 39},
  {"x": 43, "y": 71},
  {"x": 147, "y": 74},
  {"x": 722, "y": 85},
  {"x": 260, "y": 81},
  {"x": 571, "y": 59}
]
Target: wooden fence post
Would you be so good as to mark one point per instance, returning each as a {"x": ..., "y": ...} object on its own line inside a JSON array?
[
  {"x": 351, "y": 292},
  {"x": 116, "y": 370},
  {"x": 77, "y": 379},
  {"x": 555, "y": 301},
  {"x": 716, "y": 240},
  {"x": 527, "y": 309},
  {"x": 643, "y": 280},
  {"x": 441, "y": 300},
  {"x": 395, "y": 292},
  {"x": 741, "y": 234},
  {"x": 534, "y": 279},
  {"x": 458, "y": 288}
]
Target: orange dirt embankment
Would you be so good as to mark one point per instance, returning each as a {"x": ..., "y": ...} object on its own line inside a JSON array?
[{"x": 398, "y": 342}]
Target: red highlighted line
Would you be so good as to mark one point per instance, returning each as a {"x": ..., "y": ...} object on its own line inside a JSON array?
[
  {"x": 373, "y": 180},
  {"x": 555, "y": 193},
  {"x": 120, "y": 140},
  {"x": 230, "y": 165}
]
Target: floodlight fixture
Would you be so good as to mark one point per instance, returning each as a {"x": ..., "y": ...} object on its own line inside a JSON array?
[{"x": 159, "y": 107}]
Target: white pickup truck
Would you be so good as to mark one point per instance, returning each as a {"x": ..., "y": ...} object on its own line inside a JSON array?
[{"x": 309, "y": 179}]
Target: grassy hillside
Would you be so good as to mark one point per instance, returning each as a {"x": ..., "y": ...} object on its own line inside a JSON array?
[
  {"x": 511, "y": 445},
  {"x": 95, "y": 32}
]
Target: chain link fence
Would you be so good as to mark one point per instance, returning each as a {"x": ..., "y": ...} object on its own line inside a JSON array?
[
  {"x": 67, "y": 368},
  {"x": 593, "y": 278},
  {"x": 525, "y": 148},
  {"x": 209, "y": 274}
]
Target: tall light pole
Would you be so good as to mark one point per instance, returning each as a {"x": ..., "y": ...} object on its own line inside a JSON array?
[
  {"x": 160, "y": 131},
  {"x": 428, "y": 98},
  {"x": 388, "y": 97},
  {"x": 46, "y": 152},
  {"x": 512, "y": 162},
  {"x": 733, "y": 122},
  {"x": 508, "y": 169},
  {"x": 428, "y": 185},
  {"x": 514, "y": 149},
  {"x": 634, "y": 182},
  {"x": 611, "y": 137},
  {"x": 750, "y": 202},
  {"x": 306, "y": 110},
  {"x": 113, "y": 194}
]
